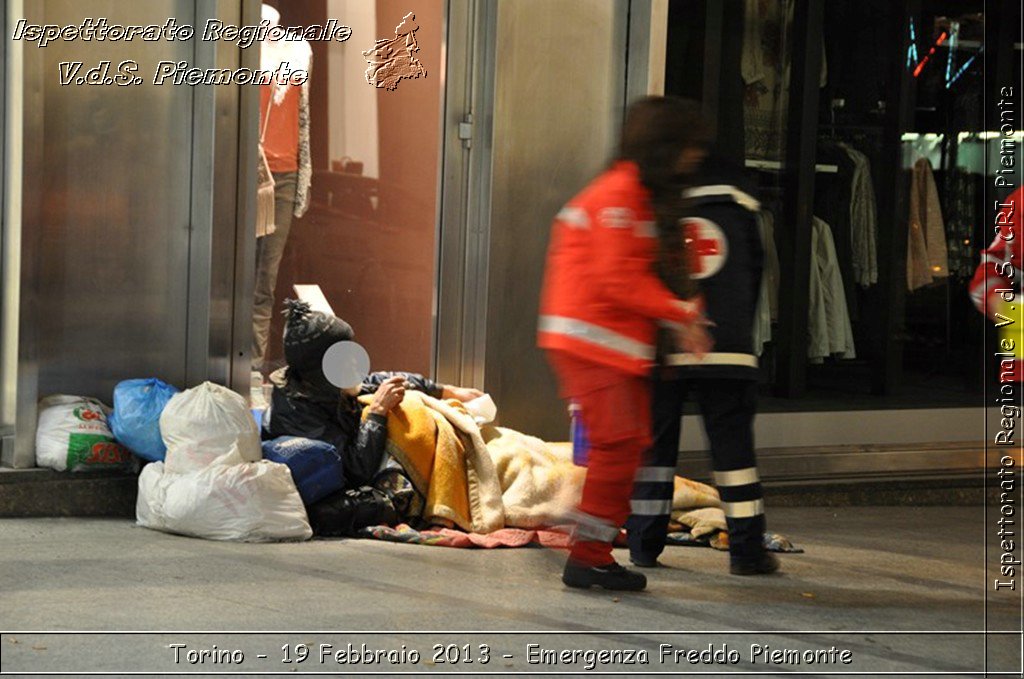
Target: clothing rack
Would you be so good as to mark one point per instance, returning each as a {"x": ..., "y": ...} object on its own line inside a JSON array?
[
  {"x": 852, "y": 127},
  {"x": 776, "y": 166}
]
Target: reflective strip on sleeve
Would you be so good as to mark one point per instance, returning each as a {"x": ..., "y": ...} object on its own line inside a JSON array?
[
  {"x": 575, "y": 217},
  {"x": 596, "y": 335},
  {"x": 655, "y": 474},
  {"x": 740, "y": 197},
  {"x": 737, "y": 477},
  {"x": 743, "y": 510},
  {"x": 651, "y": 507},
  {"x": 746, "y": 360}
]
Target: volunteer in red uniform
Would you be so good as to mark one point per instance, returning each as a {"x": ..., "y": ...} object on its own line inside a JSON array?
[
  {"x": 996, "y": 286},
  {"x": 601, "y": 306},
  {"x": 1000, "y": 264}
]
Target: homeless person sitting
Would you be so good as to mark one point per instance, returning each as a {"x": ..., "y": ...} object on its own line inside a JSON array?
[{"x": 305, "y": 404}]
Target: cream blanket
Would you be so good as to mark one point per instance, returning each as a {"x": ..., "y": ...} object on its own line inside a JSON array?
[
  {"x": 539, "y": 484},
  {"x": 485, "y": 479}
]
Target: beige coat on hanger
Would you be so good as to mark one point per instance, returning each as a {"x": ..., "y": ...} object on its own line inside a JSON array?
[{"x": 927, "y": 254}]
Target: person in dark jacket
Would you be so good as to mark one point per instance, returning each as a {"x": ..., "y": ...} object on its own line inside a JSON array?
[
  {"x": 725, "y": 254},
  {"x": 304, "y": 403}
]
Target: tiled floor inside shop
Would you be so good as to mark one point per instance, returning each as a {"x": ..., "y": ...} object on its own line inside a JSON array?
[{"x": 867, "y": 572}]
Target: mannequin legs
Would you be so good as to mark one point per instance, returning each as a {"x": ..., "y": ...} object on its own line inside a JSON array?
[{"x": 269, "y": 251}]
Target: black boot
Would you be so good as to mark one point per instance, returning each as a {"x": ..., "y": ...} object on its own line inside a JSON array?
[
  {"x": 747, "y": 555},
  {"x": 612, "y": 576},
  {"x": 644, "y": 560},
  {"x": 761, "y": 563}
]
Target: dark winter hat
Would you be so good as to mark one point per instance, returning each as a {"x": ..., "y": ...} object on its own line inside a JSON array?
[{"x": 308, "y": 335}]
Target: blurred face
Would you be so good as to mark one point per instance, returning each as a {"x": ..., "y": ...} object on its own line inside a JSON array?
[{"x": 690, "y": 159}]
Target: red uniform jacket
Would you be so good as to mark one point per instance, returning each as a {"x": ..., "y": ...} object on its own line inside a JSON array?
[
  {"x": 1000, "y": 266},
  {"x": 996, "y": 286},
  {"x": 601, "y": 300}
]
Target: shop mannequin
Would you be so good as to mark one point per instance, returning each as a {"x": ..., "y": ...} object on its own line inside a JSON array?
[{"x": 284, "y": 127}]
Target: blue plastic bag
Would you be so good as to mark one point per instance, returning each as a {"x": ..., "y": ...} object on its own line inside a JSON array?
[
  {"x": 136, "y": 417},
  {"x": 315, "y": 465}
]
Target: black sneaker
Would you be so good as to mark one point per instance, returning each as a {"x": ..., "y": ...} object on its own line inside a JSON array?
[
  {"x": 644, "y": 561},
  {"x": 763, "y": 564},
  {"x": 612, "y": 576}
]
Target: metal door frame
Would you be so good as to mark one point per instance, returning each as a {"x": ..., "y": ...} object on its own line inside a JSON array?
[
  {"x": 10, "y": 231},
  {"x": 219, "y": 352},
  {"x": 7, "y": 390},
  {"x": 463, "y": 236}
]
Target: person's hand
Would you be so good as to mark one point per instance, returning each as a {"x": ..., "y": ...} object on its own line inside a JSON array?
[
  {"x": 388, "y": 395},
  {"x": 463, "y": 394},
  {"x": 694, "y": 338}
]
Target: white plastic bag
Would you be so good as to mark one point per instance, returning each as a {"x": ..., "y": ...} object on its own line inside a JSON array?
[
  {"x": 73, "y": 434},
  {"x": 230, "y": 499},
  {"x": 203, "y": 423}
]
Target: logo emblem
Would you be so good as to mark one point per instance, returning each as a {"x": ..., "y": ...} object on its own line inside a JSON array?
[
  {"x": 706, "y": 247},
  {"x": 86, "y": 414},
  {"x": 616, "y": 217},
  {"x": 392, "y": 59}
]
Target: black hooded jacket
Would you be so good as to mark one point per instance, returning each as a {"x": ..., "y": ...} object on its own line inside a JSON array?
[
  {"x": 726, "y": 260},
  {"x": 304, "y": 403},
  {"x": 320, "y": 411}
]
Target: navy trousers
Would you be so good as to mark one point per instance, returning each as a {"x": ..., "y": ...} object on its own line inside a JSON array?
[{"x": 727, "y": 407}]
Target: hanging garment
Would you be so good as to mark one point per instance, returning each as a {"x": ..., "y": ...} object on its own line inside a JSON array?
[
  {"x": 833, "y": 198},
  {"x": 831, "y": 333},
  {"x": 765, "y": 68},
  {"x": 768, "y": 295},
  {"x": 863, "y": 220},
  {"x": 927, "y": 254},
  {"x": 963, "y": 212},
  {"x": 305, "y": 157}
]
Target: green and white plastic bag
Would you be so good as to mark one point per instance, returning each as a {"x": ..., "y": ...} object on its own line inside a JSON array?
[{"x": 73, "y": 435}]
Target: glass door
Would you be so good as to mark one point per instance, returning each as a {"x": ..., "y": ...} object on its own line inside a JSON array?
[{"x": 368, "y": 233}]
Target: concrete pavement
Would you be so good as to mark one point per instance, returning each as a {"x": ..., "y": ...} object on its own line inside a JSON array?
[{"x": 879, "y": 582}]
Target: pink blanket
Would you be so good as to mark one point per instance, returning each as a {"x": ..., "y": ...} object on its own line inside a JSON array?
[{"x": 557, "y": 537}]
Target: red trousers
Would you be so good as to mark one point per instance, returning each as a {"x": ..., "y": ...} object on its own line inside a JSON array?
[{"x": 616, "y": 410}]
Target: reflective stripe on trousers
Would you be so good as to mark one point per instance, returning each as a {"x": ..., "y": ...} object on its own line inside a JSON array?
[
  {"x": 652, "y": 492},
  {"x": 727, "y": 407},
  {"x": 589, "y": 527}
]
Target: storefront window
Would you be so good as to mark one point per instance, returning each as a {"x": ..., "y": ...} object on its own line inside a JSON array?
[
  {"x": 876, "y": 271},
  {"x": 368, "y": 236}
]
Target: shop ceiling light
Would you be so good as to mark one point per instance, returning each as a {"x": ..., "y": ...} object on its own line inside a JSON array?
[
  {"x": 912, "y": 48},
  {"x": 927, "y": 57},
  {"x": 954, "y": 33},
  {"x": 963, "y": 69}
]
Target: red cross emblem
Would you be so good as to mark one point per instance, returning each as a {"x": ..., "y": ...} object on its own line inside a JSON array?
[{"x": 706, "y": 247}]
